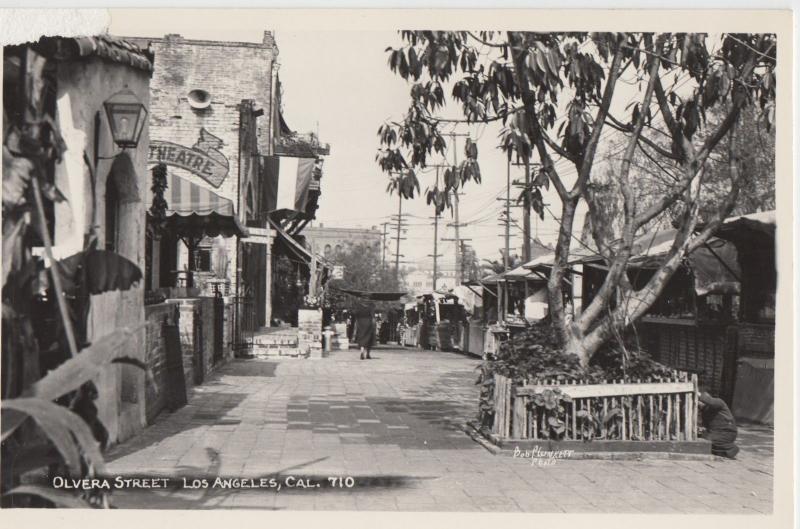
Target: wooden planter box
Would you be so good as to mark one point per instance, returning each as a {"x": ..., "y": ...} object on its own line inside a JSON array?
[{"x": 652, "y": 416}]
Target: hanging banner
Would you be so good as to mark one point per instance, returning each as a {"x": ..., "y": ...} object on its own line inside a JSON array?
[
  {"x": 203, "y": 159},
  {"x": 288, "y": 180}
]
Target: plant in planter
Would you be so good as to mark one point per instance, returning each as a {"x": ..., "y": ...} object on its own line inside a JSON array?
[
  {"x": 486, "y": 398},
  {"x": 311, "y": 302},
  {"x": 599, "y": 425},
  {"x": 550, "y": 403}
]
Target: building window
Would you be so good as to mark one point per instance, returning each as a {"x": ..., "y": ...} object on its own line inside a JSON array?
[{"x": 202, "y": 259}]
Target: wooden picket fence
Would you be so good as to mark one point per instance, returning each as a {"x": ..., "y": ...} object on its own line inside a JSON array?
[{"x": 653, "y": 410}]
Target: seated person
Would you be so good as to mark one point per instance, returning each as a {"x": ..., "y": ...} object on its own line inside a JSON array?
[{"x": 719, "y": 424}]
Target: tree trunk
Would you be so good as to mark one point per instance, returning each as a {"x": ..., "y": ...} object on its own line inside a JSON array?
[
  {"x": 563, "y": 327},
  {"x": 575, "y": 344}
]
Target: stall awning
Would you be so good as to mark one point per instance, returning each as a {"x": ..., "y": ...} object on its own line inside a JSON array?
[
  {"x": 301, "y": 251},
  {"x": 195, "y": 211},
  {"x": 373, "y": 296},
  {"x": 714, "y": 265},
  {"x": 545, "y": 261},
  {"x": 746, "y": 228}
]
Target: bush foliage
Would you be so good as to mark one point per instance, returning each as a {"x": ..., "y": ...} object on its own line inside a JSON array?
[{"x": 535, "y": 353}]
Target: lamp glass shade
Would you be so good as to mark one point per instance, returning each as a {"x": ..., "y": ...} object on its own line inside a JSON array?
[{"x": 126, "y": 118}]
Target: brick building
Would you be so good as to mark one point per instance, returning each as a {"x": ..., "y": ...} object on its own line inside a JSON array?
[
  {"x": 216, "y": 124},
  {"x": 219, "y": 98},
  {"x": 330, "y": 241}
]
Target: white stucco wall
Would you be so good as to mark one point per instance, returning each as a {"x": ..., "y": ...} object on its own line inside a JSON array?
[{"x": 83, "y": 86}]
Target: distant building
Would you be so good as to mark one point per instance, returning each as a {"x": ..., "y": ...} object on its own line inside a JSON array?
[
  {"x": 330, "y": 242},
  {"x": 420, "y": 281}
]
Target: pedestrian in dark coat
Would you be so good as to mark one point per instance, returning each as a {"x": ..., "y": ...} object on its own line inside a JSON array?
[
  {"x": 365, "y": 331},
  {"x": 720, "y": 425}
]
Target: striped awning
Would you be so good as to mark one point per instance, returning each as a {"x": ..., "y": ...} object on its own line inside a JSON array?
[
  {"x": 299, "y": 250},
  {"x": 193, "y": 210}
]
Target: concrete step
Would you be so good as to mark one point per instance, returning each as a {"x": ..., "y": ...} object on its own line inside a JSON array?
[
  {"x": 282, "y": 338},
  {"x": 277, "y": 352}
]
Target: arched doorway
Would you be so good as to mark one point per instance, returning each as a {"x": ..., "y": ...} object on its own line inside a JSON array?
[
  {"x": 121, "y": 209},
  {"x": 122, "y": 233}
]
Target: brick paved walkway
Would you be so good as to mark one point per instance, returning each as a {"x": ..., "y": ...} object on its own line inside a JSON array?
[{"x": 393, "y": 425}]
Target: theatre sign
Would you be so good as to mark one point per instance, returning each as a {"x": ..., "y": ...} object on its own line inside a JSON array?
[{"x": 203, "y": 159}]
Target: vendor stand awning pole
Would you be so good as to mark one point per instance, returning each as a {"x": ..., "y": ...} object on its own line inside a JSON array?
[{"x": 722, "y": 261}]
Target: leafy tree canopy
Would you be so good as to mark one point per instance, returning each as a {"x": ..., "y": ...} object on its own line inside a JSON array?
[{"x": 554, "y": 94}]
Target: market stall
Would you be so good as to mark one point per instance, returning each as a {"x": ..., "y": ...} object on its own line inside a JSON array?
[{"x": 441, "y": 321}]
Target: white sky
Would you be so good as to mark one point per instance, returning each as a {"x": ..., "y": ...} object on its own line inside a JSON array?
[{"x": 338, "y": 82}]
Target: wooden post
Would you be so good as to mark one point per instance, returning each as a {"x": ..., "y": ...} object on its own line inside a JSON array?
[
  {"x": 678, "y": 416},
  {"x": 669, "y": 416},
  {"x": 499, "y": 405},
  {"x": 519, "y": 429},
  {"x": 651, "y": 418},
  {"x": 528, "y": 423},
  {"x": 640, "y": 414},
  {"x": 545, "y": 429},
  {"x": 694, "y": 407},
  {"x": 574, "y": 421},
  {"x": 687, "y": 416}
]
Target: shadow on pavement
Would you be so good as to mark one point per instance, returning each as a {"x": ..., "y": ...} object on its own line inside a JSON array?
[
  {"x": 193, "y": 415},
  {"x": 249, "y": 368}
]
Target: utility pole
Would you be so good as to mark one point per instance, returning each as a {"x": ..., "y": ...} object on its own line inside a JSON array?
[
  {"x": 459, "y": 266},
  {"x": 508, "y": 213},
  {"x": 526, "y": 211},
  {"x": 457, "y": 224},
  {"x": 399, "y": 228},
  {"x": 383, "y": 245},
  {"x": 526, "y": 219},
  {"x": 526, "y": 207},
  {"x": 436, "y": 253}
]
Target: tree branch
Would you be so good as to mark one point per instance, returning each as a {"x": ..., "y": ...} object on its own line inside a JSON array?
[
  {"x": 557, "y": 148},
  {"x": 485, "y": 42},
  {"x": 535, "y": 131},
  {"x": 622, "y": 255},
  {"x": 585, "y": 168},
  {"x": 622, "y": 127}
]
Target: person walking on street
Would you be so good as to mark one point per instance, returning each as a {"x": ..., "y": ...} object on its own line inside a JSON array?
[{"x": 365, "y": 331}]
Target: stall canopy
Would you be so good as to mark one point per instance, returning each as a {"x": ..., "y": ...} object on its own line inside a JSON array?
[
  {"x": 373, "y": 296},
  {"x": 544, "y": 262},
  {"x": 195, "y": 212},
  {"x": 492, "y": 279},
  {"x": 714, "y": 265},
  {"x": 299, "y": 250},
  {"x": 743, "y": 229}
]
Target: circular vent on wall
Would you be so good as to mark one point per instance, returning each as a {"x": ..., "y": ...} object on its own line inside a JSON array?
[{"x": 199, "y": 99}]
